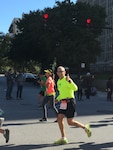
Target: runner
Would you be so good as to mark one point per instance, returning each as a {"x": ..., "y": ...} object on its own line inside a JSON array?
[
  {"x": 50, "y": 94},
  {"x": 66, "y": 88},
  {"x": 41, "y": 81},
  {"x": 4, "y": 132}
]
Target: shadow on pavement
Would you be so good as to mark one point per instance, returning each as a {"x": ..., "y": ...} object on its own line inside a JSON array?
[
  {"x": 28, "y": 123},
  {"x": 19, "y": 124},
  {"x": 87, "y": 146},
  {"x": 24, "y": 147},
  {"x": 101, "y": 123},
  {"x": 93, "y": 146}
]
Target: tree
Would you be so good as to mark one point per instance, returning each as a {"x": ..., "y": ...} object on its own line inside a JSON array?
[
  {"x": 64, "y": 36},
  {"x": 5, "y": 42}
]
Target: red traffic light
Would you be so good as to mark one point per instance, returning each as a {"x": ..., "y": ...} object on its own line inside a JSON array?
[
  {"x": 88, "y": 21},
  {"x": 46, "y": 16}
]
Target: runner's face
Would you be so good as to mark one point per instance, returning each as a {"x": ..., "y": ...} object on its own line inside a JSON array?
[
  {"x": 47, "y": 74},
  {"x": 61, "y": 72}
]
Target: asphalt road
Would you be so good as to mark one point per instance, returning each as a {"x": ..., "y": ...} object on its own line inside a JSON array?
[{"x": 27, "y": 133}]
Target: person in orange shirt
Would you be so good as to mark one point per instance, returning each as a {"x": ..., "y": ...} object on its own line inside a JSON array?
[{"x": 50, "y": 94}]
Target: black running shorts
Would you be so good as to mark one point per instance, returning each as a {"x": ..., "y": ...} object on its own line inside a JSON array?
[{"x": 71, "y": 108}]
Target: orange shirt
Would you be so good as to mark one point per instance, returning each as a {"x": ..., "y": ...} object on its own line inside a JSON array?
[{"x": 50, "y": 86}]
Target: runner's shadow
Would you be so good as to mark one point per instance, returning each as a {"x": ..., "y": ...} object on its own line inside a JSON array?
[
  {"x": 28, "y": 123},
  {"x": 93, "y": 146},
  {"x": 98, "y": 125},
  {"x": 19, "y": 124},
  {"x": 101, "y": 123}
]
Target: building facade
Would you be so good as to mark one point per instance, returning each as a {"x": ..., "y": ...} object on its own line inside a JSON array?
[
  {"x": 105, "y": 60},
  {"x": 13, "y": 27}
]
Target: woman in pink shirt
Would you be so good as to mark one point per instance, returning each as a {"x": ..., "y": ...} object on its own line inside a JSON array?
[{"x": 50, "y": 94}]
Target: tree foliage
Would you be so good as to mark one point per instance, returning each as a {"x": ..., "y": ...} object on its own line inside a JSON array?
[
  {"x": 5, "y": 42},
  {"x": 63, "y": 36}
]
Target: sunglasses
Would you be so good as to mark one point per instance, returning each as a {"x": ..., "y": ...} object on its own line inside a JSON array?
[{"x": 60, "y": 71}]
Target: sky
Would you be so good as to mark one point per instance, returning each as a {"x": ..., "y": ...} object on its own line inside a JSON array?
[{"x": 10, "y": 9}]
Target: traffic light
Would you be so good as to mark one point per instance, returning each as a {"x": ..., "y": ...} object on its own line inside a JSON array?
[
  {"x": 88, "y": 22},
  {"x": 46, "y": 16}
]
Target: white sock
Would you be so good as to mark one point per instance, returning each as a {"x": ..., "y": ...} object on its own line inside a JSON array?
[{"x": 64, "y": 138}]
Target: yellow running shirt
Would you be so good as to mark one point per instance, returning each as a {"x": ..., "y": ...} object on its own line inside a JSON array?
[{"x": 66, "y": 89}]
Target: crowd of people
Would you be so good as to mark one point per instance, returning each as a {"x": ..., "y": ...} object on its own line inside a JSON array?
[
  {"x": 85, "y": 86},
  {"x": 11, "y": 78}
]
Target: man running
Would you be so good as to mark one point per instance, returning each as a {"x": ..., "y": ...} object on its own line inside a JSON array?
[{"x": 66, "y": 88}]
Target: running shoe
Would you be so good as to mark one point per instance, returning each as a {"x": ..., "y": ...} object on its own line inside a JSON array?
[
  {"x": 43, "y": 120},
  {"x": 88, "y": 130},
  {"x": 61, "y": 141},
  {"x": 55, "y": 121},
  {"x": 6, "y": 135}
]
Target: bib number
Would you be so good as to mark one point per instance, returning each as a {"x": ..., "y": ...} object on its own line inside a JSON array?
[{"x": 63, "y": 105}]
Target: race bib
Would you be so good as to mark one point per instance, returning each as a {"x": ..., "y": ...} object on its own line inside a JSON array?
[{"x": 63, "y": 105}]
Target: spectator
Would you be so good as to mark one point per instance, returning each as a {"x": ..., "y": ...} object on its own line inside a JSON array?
[
  {"x": 109, "y": 89},
  {"x": 20, "y": 82},
  {"x": 88, "y": 84},
  {"x": 10, "y": 82},
  {"x": 79, "y": 83}
]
